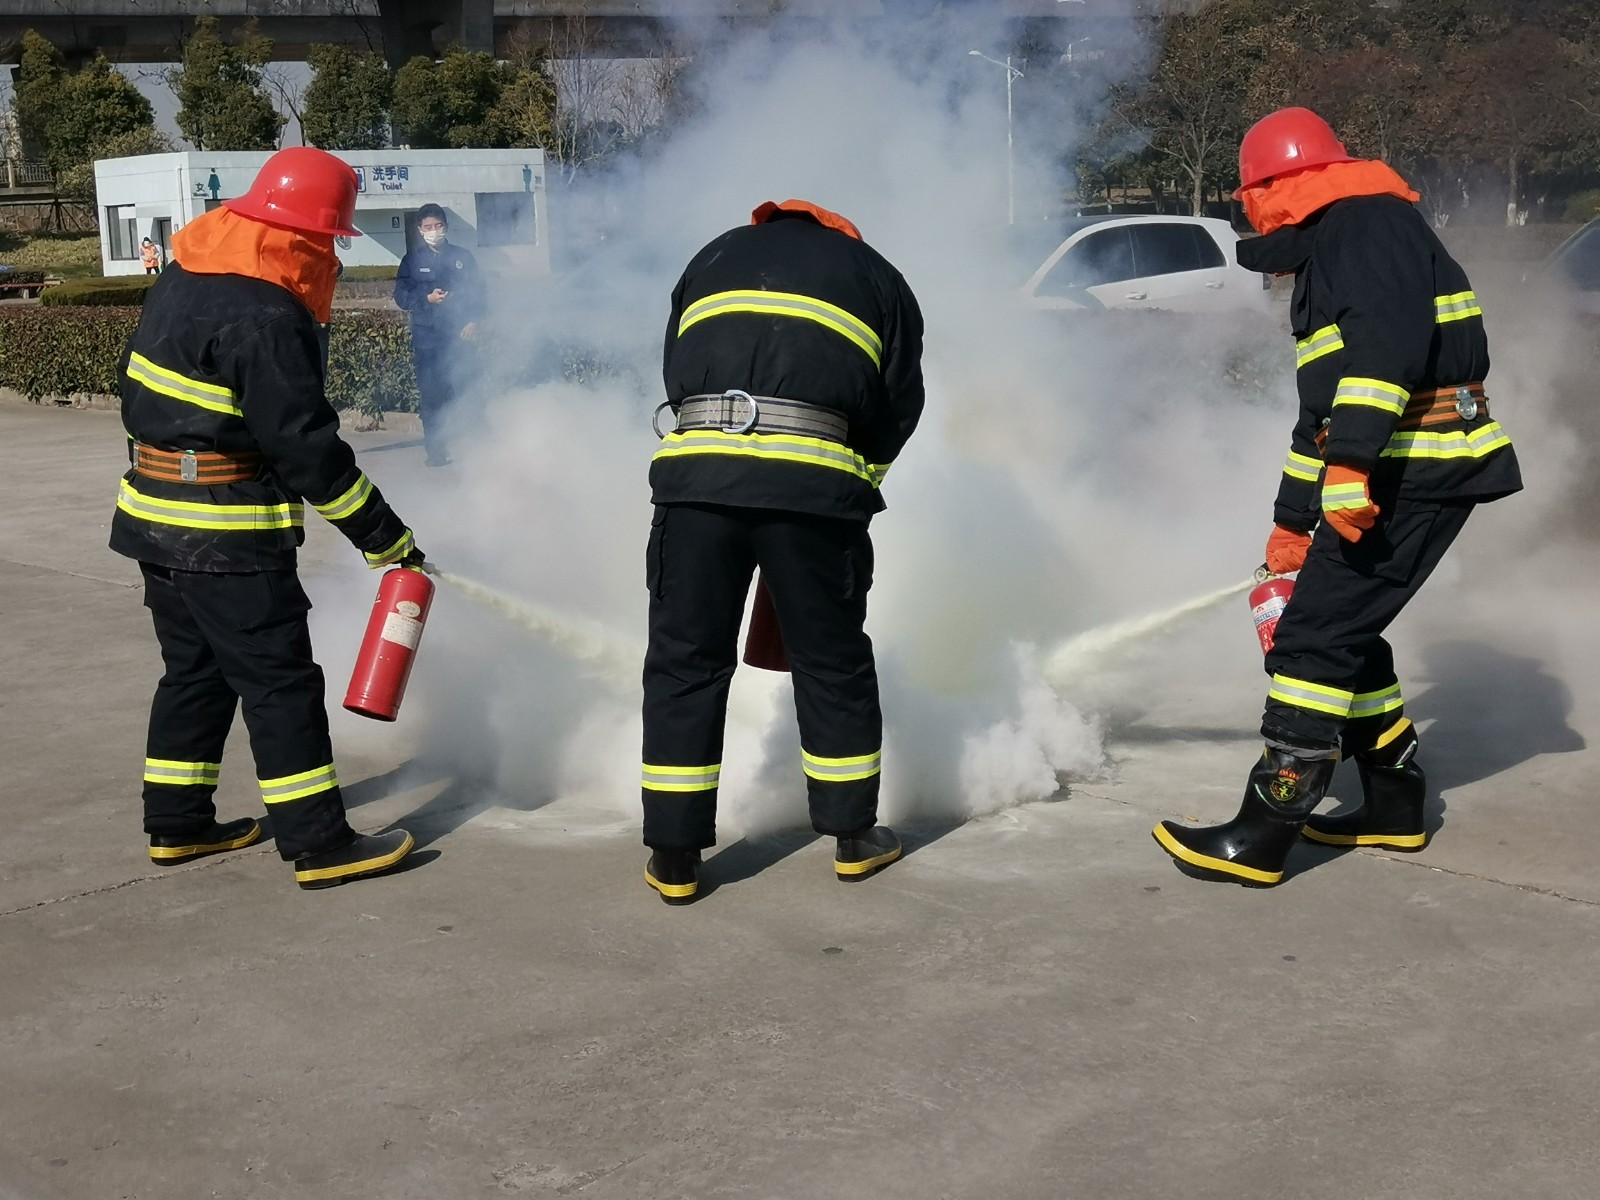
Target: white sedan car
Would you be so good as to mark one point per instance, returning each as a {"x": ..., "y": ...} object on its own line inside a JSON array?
[{"x": 1182, "y": 264}]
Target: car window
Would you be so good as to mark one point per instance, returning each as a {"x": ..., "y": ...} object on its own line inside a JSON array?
[
  {"x": 1102, "y": 257},
  {"x": 1579, "y": 261},
  {"x": 1170, "y": 248}
]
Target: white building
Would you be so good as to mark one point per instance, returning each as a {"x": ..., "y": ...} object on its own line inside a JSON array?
[{"x": 494, "y": 198}]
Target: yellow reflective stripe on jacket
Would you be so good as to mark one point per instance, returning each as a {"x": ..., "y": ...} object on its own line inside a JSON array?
[
  {"x": 1371, "y": 393},
  {"x": 1321, "y": 343},
  {"x": 1456, "y": 307},
  {"x": 347, "y": 502},
  {"x": 787, "y": 304},
  {"x": 1317, "y": 697},
  {"x": 679, "y": 779},
  {"x": 1339, "y": 496},
  {"x": 394, "y": 553},
  {"x": 1375, "y": 704},
  {"x": 1476, "y": 443},
  {"x": 298, "y": 787},
  {"x": 780, "y": 447},
  {"x": 180, "y": 387},
  {"x": 223, "y": 518},
  {"x": 181, "y": 774},
  {"x": 1301, "y": 466},
  {"x": 842, "y": 770}
]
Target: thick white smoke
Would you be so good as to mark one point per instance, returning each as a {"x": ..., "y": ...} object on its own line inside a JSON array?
[{"x": 1067, "y": 472}]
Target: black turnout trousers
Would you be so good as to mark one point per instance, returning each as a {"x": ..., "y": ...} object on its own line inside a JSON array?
[
  {"x": 226, "y": 639},
  {"x": 1333, "y": 679},
  {"x": 699, "y": 564}
]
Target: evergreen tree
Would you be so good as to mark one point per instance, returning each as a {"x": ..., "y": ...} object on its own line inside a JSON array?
[
  {"x": 453, "y": 102},
  {"x": 222, "y": 103},
  {"x": 347, "y": 101},
  {"x": 96, "y": 106},
  {"x": 38, "y": 93}
]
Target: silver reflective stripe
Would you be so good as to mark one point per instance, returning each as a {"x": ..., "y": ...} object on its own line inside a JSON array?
[
  {"x": 181, "y": 774},
  {"x": 1317, "y": 697},
  {"x": 382, "y": 558},
  {"x": 1374, "y": 393},
  {"x": 1457, "y": 307},
  {"x": 842, "y": 770},
  {"x": 658, "y": 778},
  {"x": 1321, "y": 343},
  {"x": 1300, "y": 466},
  {"x": 297, "y": 787},
  {"x": 779, "y": 447},
  {"x": 217, "y": 517},
  {"x": 786, "y": 304},
  {"x": 167, "y": 382},
  {"x": 1475, "y": 444},
  {"x": 348, "y": 503},
  {"x": 1372, "y": 704}
]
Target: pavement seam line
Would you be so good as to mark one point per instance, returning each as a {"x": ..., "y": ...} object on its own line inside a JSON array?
[
  {"x": 1531, "y": 889},
  {"x": 218, "y": 860},
  {"x": 15, "y": 562}
]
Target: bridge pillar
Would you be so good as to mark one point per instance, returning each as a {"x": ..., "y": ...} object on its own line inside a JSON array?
[{"x": 428, "y": 27}]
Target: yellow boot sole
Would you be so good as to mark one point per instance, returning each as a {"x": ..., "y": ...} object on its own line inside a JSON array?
[{"x": 169, "y": 856}]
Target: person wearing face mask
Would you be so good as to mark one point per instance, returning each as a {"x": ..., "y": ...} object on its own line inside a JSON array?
[
  {"x": 230, "y": 433},
  {"x": 439, "y": 286},
  {"x": 1394, "y": 445}
]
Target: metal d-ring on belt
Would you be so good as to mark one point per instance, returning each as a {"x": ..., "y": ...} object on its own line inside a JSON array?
[{"x": 736, "y": 411}]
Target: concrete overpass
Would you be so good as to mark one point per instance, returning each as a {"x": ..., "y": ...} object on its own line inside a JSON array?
[{"x": 154, "y": 30}]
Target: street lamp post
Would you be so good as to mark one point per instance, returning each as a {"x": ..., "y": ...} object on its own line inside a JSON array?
[{"x": 1012, "y": 74}]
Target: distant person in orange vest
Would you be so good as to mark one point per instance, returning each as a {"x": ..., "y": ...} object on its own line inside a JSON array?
[{"x": 150, "y": 256}]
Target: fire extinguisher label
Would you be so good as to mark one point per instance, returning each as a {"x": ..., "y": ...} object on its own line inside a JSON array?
[
  {"x": 402, "y": 630},
  {"x": 1271, "y": 610}
]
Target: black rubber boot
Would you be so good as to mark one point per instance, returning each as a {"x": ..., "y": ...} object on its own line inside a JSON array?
[
  {"x": 675, "y": 874},
  {"x": 1393, "y": 791},
  {"x": 169, "y": 850},
  {"x": 368, "y": 854},
  {"x": 1251, "y": 849},
  {"x": 865, "y": 853}
]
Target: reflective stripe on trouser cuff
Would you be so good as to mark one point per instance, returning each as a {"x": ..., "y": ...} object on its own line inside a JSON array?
[
  {"x": 181, "y": 774},
  {"x": 297, "y": 787},
  {"x": 347, "y": 503},
  {"x": 220, "y": 517},
  {"x": 775, "y": 446},
  {"x": 842, "y": 770},
  {"x": 1371, "y": 393},
  {"x": 1339, "y": 496},
  {"x": 1301, "y": 466},
  {"x": 655, "y": 778},
  {"x": 787, "y": 304},
  {"x": 1375, "y": 704},
  {"x": 1321, "y": 343},
  {"x": 180, "y": 387},
  {"x": 394, "y": 553},
  {"x": 1317, "y": 697},
  {"x": 1456, "y": 307},
  {"x": 1477, "y": 443}
]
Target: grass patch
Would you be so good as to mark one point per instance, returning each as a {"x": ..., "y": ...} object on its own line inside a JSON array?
[{"x": 67, "y": 255}]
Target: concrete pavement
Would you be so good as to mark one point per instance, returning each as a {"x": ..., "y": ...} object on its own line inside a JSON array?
[{"x": 1034, "y": 1004}]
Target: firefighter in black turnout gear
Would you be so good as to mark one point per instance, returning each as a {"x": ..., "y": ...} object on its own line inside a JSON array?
[
  {"x": 229, "y": 434},
  {"x": 1394, "y": 445},
  {"x": 793, "y": 372}
]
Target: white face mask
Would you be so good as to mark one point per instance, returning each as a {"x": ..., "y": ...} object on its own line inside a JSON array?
[{"x": 434, "y": 237}]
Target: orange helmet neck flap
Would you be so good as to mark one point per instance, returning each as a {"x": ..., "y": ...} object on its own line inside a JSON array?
[
  {"x": 1290, "y": 199},
  {"x": 223, "y": 242},
  {"x": 822, "y": 216}
]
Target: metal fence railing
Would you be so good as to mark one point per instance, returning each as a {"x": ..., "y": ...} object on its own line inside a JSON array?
[{"x": 24, "y": 174}]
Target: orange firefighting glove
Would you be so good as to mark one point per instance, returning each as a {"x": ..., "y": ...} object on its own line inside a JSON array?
[
  {"x": 1346, "y": 503},
  {"x": 1286, "y": 550}
]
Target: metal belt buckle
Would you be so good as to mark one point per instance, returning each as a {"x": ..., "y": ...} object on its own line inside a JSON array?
[
  {"x": 189, "y": 467},
  {"x": 750, "y": 420},
  {"x": 1466, "y": 403}
]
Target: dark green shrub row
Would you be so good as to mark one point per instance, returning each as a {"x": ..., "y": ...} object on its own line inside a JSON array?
[
  {"x": 121, "y": 291},
  {"x": 369, "y": 274},
  {"x": 56, "y": 352}
]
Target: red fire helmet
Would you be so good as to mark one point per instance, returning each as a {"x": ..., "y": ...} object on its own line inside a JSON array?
[
  {"x": 1290, "y": 139},
  {"x": 304, "y": 189}
]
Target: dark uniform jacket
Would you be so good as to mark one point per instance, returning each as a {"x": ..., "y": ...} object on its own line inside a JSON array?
[
  {"x": 1381, "y": 314},
  {"x": 230, "y": 363},
  {"x": 793, "y": 310},
  {"x": 451, "y": 268}
]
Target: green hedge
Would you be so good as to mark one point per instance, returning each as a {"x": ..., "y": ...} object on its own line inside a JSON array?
[
  {"x": 369, "y": 274},
  {"x": 56, "y": 352},
  {"x": 126, "y": 291}
]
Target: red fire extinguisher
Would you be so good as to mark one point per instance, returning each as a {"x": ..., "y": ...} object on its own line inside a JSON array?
[
  {"x": 394, "y": 631},
  {"x": 1268, "y": 599},
  {"x": 763, "y": 645}
]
